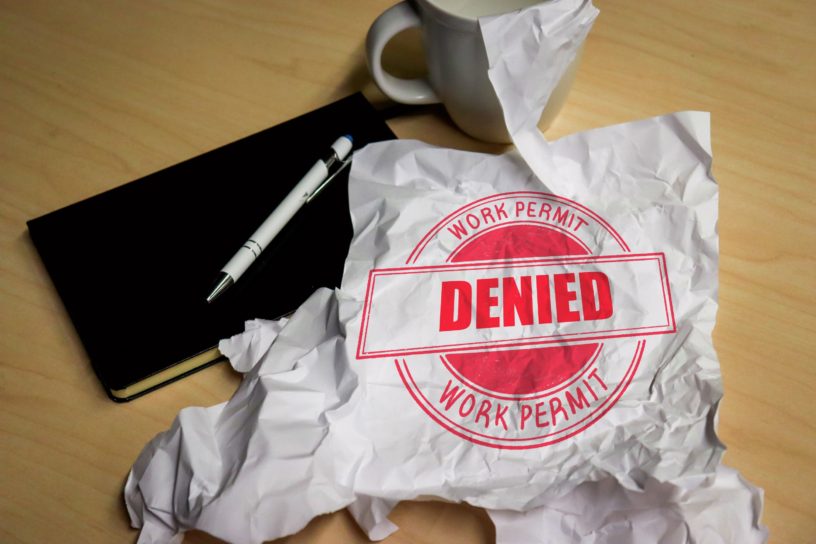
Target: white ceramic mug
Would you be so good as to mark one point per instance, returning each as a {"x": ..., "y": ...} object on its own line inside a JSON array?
[{"x": 457, "y": 63}]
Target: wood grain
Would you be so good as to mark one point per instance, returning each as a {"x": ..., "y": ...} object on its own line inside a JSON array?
[{"x": 96, "y": 93}]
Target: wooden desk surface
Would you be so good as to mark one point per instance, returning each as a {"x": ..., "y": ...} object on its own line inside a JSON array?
[{"x": 96, "y": 93}]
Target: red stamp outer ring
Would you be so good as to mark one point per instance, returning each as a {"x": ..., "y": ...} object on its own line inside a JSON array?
[{"x": 513, "y": 443}]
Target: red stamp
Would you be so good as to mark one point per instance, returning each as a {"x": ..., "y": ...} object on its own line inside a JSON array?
[{"x": 522, "y": 319}]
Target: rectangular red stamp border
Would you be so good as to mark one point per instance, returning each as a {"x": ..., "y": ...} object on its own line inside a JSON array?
[{"x": 668, "y": 328}]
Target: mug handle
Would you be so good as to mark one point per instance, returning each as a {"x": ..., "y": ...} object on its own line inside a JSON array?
[{"x": 393, "y": 21}]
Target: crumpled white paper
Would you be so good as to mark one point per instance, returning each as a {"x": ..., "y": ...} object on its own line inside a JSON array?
[
  {"x": 525, "y": 66},
  {"x": 350, "y": 402},
  {"x": 722, "y": 509}
]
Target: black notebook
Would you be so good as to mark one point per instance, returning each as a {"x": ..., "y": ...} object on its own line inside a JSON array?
[{"x": 134, "y": 265}]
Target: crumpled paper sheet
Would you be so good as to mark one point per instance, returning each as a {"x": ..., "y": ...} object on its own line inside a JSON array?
[
  {"x": 525, "y": 66},
  {"x": 314, "y": 428},
  {"x": 722, "y": 509}
]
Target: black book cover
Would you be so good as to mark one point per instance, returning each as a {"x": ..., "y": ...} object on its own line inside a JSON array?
[{"x": 134, "y": 265}]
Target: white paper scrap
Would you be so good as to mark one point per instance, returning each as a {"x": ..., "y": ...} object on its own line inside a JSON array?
[
  {"x": 723, "y": 508},
  {"x": 528, "y": 53},
  {"x": 319, "y": 422}
]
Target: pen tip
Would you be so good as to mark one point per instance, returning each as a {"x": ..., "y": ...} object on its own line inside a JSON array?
[
  {"x": 349, "y": 138},
  {"x": 223, "y": 282}
]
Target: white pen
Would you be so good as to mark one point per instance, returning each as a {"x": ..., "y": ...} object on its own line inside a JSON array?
[{"x": 306, "y": 189}]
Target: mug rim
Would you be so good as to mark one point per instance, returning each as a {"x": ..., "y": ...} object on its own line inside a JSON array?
[{"x": 460, "y": 21}]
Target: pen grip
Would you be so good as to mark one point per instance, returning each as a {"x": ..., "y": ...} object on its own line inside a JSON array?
[{"x": 278, "y": 219}]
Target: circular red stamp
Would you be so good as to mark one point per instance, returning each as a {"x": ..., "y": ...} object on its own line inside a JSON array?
[{"x": 519, "y": 319}]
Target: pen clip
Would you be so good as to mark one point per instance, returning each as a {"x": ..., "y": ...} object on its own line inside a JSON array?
[{"x": 340, "y": 168}]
